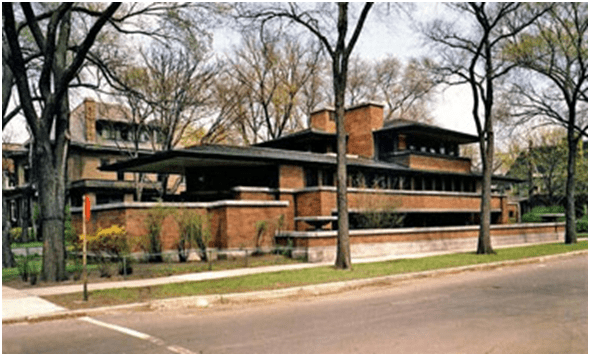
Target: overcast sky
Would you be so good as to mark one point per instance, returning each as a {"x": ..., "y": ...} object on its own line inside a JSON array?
[
  {"x": 392, "y": 34},
  {"x": 382, "y": 35}
]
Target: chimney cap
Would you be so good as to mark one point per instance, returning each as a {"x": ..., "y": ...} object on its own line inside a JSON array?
[
  {"x": 323, "y": 108},
  {"x": 365, "y": 103}
]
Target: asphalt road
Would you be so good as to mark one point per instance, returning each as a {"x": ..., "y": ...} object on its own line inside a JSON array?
[{"x": 538, "y": 308}]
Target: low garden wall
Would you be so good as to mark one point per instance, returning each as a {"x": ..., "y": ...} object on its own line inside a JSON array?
[
  {"x": 320, "y": 246},
  {"x": 232, "y": 223}
]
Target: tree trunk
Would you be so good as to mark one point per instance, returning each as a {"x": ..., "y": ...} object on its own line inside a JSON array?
[
  {"x": 570, "y": 188},
  {"x": 343, "y": 260},
  {"x": 484, "y": 242},
  {"x": 7, "y": 256},
  {"x": 52, "y": 205}
]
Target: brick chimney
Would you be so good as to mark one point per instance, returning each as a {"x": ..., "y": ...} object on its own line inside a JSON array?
[
  {"x": 360, "y": 121},
  {"x": 323, "y": 120},
  {"x": 90, "y": 119}
]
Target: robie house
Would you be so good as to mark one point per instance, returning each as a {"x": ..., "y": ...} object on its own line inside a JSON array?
[{"x": 400, "y": 168}]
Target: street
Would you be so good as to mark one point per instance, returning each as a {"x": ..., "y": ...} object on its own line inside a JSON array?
[{"x": 536, "y": 308}]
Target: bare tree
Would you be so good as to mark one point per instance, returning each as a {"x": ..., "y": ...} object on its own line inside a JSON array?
[
  {"x": 470, "y": 55},
  {"x": 58, "y": 69},
  {"x": 47, "y": 46},
  {"x": 323, "y": 26},
  {"x": 556, "y": 49},
  {"x": 270, "y": 74}
]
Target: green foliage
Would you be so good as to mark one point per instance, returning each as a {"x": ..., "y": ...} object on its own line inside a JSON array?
[
  {"x": 108, "y": 244},
  {"x": 112, "y": 241},
  {"x": 534, "y": 215},
  {"x": 70, "y": 235},
  {"x": 292, "y": 278},
  {"x": 16, "y": 233},
  {"x": 261, "y": 226},
  {"x": 582, "y": 225},
  {"x": 151, "y": 243},
  {"x": 194, "y": 231},
  {"x": 280, "y": 222},
  {"x": 377, "y": 220}
]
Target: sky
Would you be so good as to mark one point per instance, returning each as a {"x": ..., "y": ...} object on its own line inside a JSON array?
[
  {"x": 382, "y": 35},
  {"x": 392, "y": 34}
]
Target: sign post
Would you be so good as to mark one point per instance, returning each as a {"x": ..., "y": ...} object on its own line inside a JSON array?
[{"x": 85, "y": 218}]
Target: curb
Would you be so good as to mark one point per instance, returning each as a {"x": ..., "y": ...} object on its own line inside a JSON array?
[{"x": 203, "y": 301}]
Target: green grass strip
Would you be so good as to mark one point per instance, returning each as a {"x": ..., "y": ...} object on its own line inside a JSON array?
[{"x": 292, "y": 278}]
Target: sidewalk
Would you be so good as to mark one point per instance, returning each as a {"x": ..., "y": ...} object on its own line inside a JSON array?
[
  {"x": 26, "y": 303},
  {"x": 22, "y": 305}
]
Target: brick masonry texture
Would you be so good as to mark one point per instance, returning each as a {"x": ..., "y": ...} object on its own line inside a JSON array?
[{"x": 230, "y": 226}]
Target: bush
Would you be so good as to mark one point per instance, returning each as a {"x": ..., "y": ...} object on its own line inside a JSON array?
[
  {"x": 535, "y": 214},
  {"x": 261, "y": 227},
  {"x": 531, "y": 217},
  {"x": 376, "y": 220},
  {"x": 194, "y": 231},
  {"x": 582, "y": 225},
  {"x": 112, "y": 241},
  {"x": 151, "y": 243},
  {"x": 108, "y": 245},
  {"x": 16, "y": 233}
]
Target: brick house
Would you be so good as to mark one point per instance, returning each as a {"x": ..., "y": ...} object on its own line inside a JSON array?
[
  {"x": 409, "y": 168},
  {"x": 100, "y": 134}
]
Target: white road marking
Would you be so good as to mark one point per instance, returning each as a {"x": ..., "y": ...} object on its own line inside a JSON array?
[
  {"x": 137, "y": 334},
  {"x": 179, "y": 350}
]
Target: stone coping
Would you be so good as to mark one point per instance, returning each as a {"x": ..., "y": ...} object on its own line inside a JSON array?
[
  {"x": 406, "y": 230},
  {"x": 216, "y": 204},
  {"x": 359, "y": 190}
]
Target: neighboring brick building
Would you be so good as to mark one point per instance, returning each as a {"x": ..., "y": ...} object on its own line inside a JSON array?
[
  {"x": 406, "y": 167},
  {"x": 100, "y": 134}
]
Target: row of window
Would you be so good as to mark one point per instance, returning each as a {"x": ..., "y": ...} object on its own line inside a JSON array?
[
  {"x": 323, "y": 177},
  {"x": 126, "y": 133}
]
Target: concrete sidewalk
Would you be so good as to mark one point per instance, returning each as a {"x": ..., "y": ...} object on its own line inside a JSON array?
[
  {"x": 26, "y": 304},
  {"x": 202, "y": 276},
  {"x": 20, "y": 304}
]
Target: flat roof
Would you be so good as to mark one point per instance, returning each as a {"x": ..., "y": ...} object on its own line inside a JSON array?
[
  {"x": 178, "y": 160},
  {"x": 211, "y": 156},
  {"x": 422, "y": 129}
]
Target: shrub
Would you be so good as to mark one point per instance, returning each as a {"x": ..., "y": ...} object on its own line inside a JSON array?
[
  {"x": 194, "y": 231},
  {"x": 261, "y": 227},
  {"x": 582, "y": 225},
  {"x": 70, "y": 235},
  {"x": 108, "y": 244},
  {"x": 16, "y": 233},
  {"x": 151, "y": 243},
  {"x": 534, "y": 215},
  {"x": 531, "y": 217},
  {"x": 112, "y": 241},
  {"x": 377, "y": 220}
]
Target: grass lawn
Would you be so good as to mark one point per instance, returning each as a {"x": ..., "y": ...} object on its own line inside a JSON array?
[
  {"x": 11, "y": 276},
  {"x": 284, "y": 279},
  {"x": 26, "y": 244}
]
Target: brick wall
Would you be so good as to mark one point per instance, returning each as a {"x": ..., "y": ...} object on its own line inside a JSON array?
[
  {"x": 291, "y": 177},
  {"x": 232, "y": 223},
  {"x": 438, "y": 163},
  {"x": 320, "y": 120},
  {"x": 359, "y": 122}
]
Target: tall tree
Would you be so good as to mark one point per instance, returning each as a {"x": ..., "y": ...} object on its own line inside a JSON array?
[
  {"x": 323, "y": 26},
  {"x": 59, "y": 60},
  {"x": 270, "y": 73},
  {"x": 556, "y": 48},
  {"x": 47, "y": 47},
  {"x": 471, "y": 54}
]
